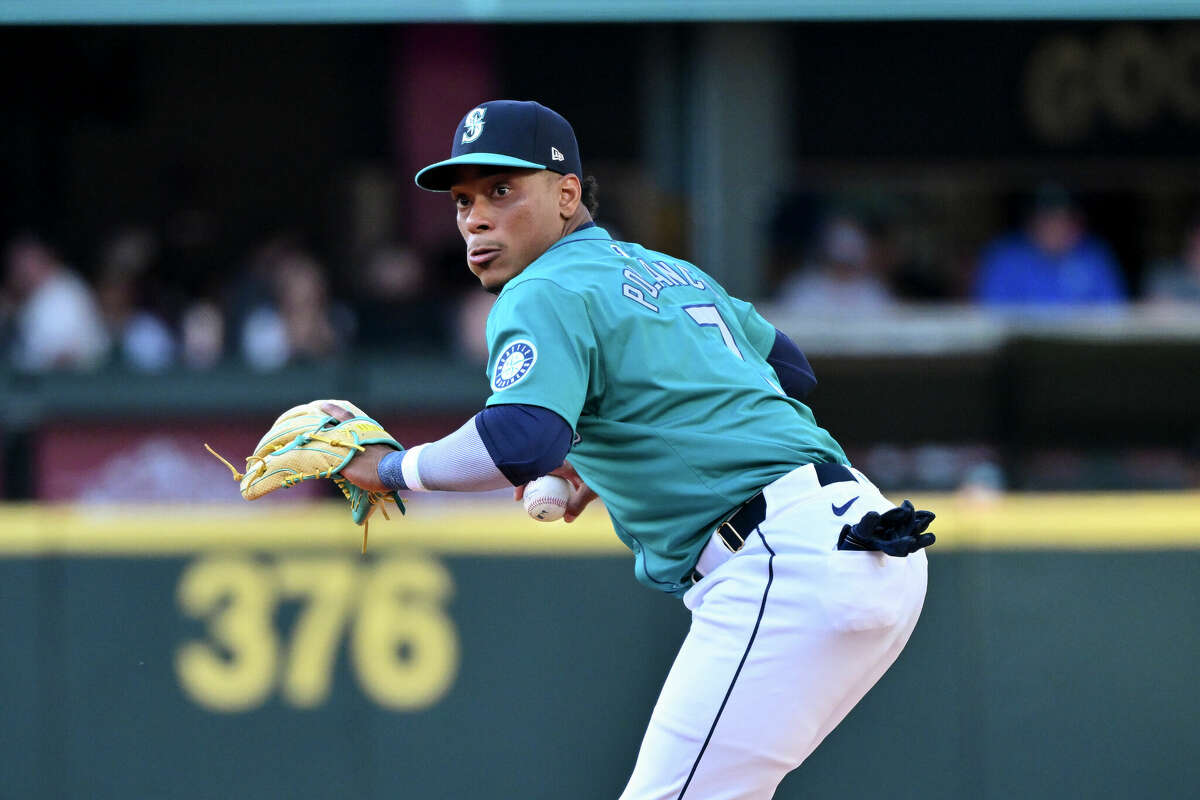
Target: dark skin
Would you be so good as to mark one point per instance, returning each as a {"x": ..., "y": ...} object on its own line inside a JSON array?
[{"x": 507, "y": 218}]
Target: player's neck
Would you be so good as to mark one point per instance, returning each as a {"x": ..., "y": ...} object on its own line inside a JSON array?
[{"x": 580, "y": 218}]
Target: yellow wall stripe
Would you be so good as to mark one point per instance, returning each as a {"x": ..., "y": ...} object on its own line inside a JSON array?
[{"x": 1012, "y": 522}]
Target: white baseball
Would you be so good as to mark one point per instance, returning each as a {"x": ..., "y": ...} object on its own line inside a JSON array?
[{"x": 546, "y": 498}]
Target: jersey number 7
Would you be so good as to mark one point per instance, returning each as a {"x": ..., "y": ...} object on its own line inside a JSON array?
[{"x": 707, "y": 316}]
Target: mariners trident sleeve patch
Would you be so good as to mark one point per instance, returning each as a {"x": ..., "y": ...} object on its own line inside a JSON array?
[{"x": 514, "y": 364}]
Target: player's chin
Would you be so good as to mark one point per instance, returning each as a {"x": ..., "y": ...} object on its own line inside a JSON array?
[{"x": 493, "y": 280}]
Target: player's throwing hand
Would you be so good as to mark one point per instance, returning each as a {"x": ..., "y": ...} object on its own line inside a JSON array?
[{"x": 579, "y": 498}]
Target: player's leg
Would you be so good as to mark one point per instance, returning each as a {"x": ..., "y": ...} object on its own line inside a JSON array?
[
  {"x": 857, "y": 682},
  {"x": 725, "y": 727},
  {"x": 786, "y": 637},
  {"x": 871, "y": 676},
  {"x": 868, "y": 605},
  {"x": 697, "y": 690}
]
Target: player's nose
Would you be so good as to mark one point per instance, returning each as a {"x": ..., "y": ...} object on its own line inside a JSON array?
[{"x": 478, "y": 219}]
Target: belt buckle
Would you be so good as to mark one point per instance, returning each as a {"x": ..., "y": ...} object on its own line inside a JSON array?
[{"x": 741, "y": 540}]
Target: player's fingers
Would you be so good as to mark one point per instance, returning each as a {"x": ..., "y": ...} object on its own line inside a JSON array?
[
  {"x": 568, "y": 473},
  {"x": 337, "y": 412},
  {"x": 578, "y": 502},
  {"x": 519, "y": 492}
]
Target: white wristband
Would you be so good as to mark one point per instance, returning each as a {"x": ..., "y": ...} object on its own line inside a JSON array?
[{"x": 408, "y": 468}]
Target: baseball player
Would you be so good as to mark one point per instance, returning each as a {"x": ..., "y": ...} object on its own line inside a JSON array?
[{"x": 634, "y": 375}]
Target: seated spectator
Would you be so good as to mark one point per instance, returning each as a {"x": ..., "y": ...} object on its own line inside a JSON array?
[
  {"x": 1177, "y": 281},
  {"x": 398, "y": 307},
  {"x": 842, "y": 278},
  {"x": 1054, "y": 261},
  {"x": 202, "y": 334},
  {"x": 300, "y": 323},
  {"x": 57, "y": 324},
  {"x": 143, "y": 340}
]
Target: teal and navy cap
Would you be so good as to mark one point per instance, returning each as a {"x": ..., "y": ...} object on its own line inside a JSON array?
[{"x": 507, "y": 133}]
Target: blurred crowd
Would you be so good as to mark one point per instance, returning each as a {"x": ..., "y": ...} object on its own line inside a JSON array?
[
  {"x": 856, "y": 262},
  {"x": 282, "y": 303}
]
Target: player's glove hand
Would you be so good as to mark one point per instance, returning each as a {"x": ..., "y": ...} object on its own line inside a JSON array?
[
  {"x": 307, "y": 443},
  {"x": 898, "y": 532}
]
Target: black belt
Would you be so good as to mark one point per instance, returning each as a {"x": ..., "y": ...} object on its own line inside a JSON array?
[{"x": 737, "y": 527}]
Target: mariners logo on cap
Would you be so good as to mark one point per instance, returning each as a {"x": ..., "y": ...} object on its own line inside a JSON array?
[
  {"x": 473, "y": 125},
  {"x": 514, "y": 364}
]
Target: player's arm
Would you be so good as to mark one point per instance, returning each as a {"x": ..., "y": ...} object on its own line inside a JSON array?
[
  {"x": 501, "y": 446},
  {"x": 542, "y": 349},
  {"x": 504, "y": 445}
]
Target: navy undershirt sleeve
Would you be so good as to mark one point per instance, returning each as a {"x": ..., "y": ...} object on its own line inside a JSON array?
[
  {"x": 526, "y": 442},
  {"x": 796, "y": 377}
]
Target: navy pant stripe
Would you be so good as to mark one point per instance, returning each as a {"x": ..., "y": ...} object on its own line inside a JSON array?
[{"x": 762, "y": 607}]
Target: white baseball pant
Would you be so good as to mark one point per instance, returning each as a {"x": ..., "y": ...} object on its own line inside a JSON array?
[{"x": 787, "y": 635}]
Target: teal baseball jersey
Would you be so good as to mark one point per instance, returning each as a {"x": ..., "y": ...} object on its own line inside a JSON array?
[{"x": 678, "y": 417}]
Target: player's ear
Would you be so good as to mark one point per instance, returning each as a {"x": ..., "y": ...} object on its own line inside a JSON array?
[{"x": 570, "y": 193}]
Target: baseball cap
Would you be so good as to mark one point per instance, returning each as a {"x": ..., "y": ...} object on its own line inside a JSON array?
[{"x": 507, "y": 133}]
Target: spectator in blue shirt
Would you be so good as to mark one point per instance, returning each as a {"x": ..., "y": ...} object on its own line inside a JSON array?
[{"x": 1054, "y": 261}]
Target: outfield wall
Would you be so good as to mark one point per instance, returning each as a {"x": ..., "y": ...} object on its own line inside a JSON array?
[{"x": 222, "y": 652}]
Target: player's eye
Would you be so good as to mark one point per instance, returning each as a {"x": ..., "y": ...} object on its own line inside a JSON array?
[
  {"x": 502, "y": 190},
  {"x": 461, "y": 200}
]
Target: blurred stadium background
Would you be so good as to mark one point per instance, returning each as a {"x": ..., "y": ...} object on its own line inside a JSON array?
[{"x": 882, "y": 178}]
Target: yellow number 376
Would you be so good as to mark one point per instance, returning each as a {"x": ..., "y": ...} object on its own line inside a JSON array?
[{"x": 402, "y": 644}]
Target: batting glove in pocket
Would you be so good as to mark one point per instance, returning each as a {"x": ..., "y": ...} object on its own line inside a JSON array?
[{"x": 900, "y": 531}]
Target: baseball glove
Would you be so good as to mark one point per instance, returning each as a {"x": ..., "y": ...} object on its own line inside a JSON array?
[{"x": 305, "y": 444}]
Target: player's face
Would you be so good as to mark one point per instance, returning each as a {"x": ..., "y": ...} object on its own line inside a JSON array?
[{"x": 507, "y": 219}]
